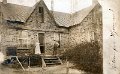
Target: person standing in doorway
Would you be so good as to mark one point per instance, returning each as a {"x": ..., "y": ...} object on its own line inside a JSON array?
[
  {"x": 37, "y": 48},
  {"x": 55, "y": 49}
]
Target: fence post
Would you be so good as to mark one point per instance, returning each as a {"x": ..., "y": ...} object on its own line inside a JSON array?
[{"x": 67, "y": 67}]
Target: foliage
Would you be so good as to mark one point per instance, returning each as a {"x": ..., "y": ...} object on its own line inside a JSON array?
[{"x": 86, "y": 56}]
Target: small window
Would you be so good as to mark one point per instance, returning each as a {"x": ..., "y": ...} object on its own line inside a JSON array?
[{"x": 41, "y": 11}]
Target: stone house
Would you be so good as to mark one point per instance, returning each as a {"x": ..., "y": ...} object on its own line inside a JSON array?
[
  {"x": 83, "y": 26},
  {"x": 23, "y": 26},
  {"x": 89, "y": 29}
]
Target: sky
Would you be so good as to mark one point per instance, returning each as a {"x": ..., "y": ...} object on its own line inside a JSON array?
[{"x": 67, "y": 6}]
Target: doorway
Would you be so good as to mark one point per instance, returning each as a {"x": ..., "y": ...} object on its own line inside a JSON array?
[{"x": 41, "y": 38}]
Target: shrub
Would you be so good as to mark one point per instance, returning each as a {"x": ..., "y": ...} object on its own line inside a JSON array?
[{"x": 86, "y": 56}]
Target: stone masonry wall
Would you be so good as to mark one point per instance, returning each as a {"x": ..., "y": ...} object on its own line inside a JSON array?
[
  {"x": 10, "y": 36},
  {"x": 90, "y": 29}
]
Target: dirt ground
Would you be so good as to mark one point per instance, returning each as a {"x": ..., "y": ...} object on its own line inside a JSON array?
[{"x": 61, "y": 69}]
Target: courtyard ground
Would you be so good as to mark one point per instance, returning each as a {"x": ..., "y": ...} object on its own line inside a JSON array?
[{"x": 61, "y": 69}]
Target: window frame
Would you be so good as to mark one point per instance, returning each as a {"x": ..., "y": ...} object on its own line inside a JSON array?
[{"x": 41, "y": 12}]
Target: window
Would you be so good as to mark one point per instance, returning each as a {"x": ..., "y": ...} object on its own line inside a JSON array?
[
  {"x": 23, "y": 43},
  {"x": 41, "y": 11},
  {"x": 23, "y": 40}
]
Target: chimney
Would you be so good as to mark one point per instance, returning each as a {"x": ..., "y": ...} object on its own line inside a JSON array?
[{"x": 4, "y": 1}]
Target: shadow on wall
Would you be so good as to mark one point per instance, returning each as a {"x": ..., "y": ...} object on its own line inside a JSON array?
[{"x": 86, "y": 56}]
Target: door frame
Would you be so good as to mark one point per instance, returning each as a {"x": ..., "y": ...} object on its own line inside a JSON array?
[{"x": 43, "y": 40}]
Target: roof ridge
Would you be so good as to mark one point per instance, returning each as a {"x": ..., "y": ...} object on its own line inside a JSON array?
[
  {"x": 68, "y": 20},
  {"x": 16, "y": 5},
  {"x": 17, "y": 12},
  {"x": 93, "y": 6}
]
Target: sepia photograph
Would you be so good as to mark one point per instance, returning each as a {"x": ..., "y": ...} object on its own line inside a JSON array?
[{"x": 59, "y": 37}]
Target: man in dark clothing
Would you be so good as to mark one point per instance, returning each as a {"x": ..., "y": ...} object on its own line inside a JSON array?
[{"x": 56, "y": 45}]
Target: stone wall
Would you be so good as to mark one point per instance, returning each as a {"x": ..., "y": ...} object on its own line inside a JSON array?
[
  {"x": 90, "y": 29},
  {"x": 49, "y": 42},
  {"x": 12, "y": 34}
]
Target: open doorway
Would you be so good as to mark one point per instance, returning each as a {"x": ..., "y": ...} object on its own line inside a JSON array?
[{"x": 41, "y": 37}]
